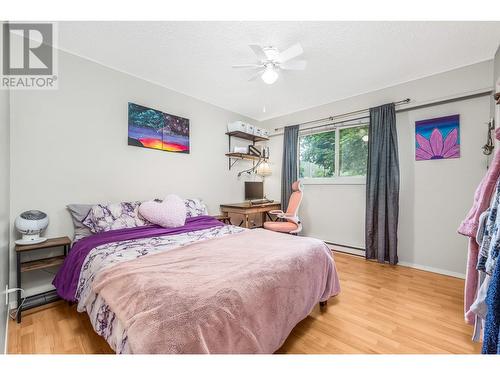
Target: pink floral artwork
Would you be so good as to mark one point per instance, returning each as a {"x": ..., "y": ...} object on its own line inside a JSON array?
[{"x": 437, "y": 138}]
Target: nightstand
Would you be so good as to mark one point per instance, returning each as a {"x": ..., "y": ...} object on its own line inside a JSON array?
[{"x": 39, "y": 264}]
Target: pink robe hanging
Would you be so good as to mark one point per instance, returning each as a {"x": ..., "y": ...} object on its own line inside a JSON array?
[{"x": 469, "y": 227}]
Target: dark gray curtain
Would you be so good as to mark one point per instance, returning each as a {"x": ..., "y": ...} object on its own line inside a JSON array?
[
  {"x": 382, "y": 186},
  {"x": 289, "y": 167}
]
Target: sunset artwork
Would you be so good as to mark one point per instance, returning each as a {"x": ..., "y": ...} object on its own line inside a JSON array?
[
  {"x": 151, "y": 128},
  {"x": 437, "y": 138}
]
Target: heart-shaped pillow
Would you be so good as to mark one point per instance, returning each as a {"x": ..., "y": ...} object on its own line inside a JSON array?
[{"x": 170, "y": 213}]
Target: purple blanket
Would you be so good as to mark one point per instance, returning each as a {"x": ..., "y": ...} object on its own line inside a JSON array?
[{"x": 66, "y": 280}]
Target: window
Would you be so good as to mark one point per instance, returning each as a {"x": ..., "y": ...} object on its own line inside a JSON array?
[
  {"x": 334, "y": 154},
  {"x": 353, "y": 151},
  {"x": 317, "y": 155}
]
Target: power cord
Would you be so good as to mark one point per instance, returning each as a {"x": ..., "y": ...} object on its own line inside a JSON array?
[{"x": 18, "y": 309}]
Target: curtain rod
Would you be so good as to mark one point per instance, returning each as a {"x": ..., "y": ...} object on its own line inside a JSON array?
[
  {"x": 334, "y": 117},
  {"x": 464, "y": 96}
]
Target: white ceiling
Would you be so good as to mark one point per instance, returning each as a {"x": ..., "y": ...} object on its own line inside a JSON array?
[{"x": 344, "y": 58}]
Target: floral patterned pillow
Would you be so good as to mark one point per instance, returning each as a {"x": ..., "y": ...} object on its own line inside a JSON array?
[
  {"x": 195, "y": 207},
  {"x": 106, "y": 217}
]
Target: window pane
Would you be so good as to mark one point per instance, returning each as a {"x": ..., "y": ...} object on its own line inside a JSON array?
[
  {"x": 317, "y": 155},
  {"x": 353, "y": 151}
]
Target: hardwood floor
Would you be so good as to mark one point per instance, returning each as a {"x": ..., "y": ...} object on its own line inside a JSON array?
[{"x": 381, "y": 309}]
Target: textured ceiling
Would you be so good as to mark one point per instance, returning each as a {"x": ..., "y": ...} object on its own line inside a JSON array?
[{"x": 344, "y": 58}]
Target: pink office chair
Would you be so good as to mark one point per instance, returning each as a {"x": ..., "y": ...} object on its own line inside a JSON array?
[{"x": 290, "y": 222}]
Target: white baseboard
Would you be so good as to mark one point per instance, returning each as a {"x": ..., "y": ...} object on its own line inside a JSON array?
[{"x": 432, "y": 269}]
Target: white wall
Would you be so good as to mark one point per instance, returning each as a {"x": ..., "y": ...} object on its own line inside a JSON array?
[
  {"x": 4, "y": 205},
  {"x": 4, "y": 208},
  {"x": 70, "y": 146},
  {"x": 496, "y": 63},
  {"x": 435, "y": 195}
]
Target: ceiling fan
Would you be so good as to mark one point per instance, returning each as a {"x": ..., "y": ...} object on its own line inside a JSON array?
[{"x": 271, "y": 61}]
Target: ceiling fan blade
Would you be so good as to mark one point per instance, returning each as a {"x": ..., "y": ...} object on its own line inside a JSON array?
[
  {"x": 256, "y": 75},
  {"x": 259, "y": 52},
  {"x": 290, "y": 53},
  {"x": 294, "y": 65},
  {"x": 247, "y": 66}
]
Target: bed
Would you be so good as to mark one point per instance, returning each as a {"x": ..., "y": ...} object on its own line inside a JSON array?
[{"x": 204, "y": 287}]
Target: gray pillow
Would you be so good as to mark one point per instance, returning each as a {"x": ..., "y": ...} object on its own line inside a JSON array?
[{"x": 78, "y": 213}]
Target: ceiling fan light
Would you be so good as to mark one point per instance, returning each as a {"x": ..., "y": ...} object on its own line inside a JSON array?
[{"x": 270, "y": 75}]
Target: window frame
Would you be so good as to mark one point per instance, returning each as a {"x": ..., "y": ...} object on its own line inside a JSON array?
[{"x": 336, "y": 179}]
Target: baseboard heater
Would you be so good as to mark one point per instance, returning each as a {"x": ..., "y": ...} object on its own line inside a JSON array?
[
  {"x": 347, "y": 249},
  {"x": 40, "y": 299},
  {"x": 346, "y": 246}
]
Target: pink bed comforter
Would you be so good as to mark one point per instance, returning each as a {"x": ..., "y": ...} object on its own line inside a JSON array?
[{"x": 241, "y": 293}]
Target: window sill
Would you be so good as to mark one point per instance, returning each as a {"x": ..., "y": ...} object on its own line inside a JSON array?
[{"x": 335, "y": 181}]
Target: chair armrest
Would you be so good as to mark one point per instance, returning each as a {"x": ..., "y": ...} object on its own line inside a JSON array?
[{"x": 276, "y": 212}]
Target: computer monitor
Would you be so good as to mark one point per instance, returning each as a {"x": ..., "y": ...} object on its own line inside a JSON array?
[{"x": 254, "y": 190}]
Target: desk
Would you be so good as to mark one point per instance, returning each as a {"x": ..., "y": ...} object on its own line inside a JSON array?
[{"x": 246, "y": 209}]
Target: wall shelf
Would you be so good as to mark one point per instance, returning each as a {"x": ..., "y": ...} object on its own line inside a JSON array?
[
  {"x": 249, "y": 137},
  {"x": 239, "y": 155},
  {"x": 233, "y": 157}
]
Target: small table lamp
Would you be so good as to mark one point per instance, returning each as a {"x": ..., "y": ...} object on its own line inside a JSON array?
[{"x": 264, "y": 169}]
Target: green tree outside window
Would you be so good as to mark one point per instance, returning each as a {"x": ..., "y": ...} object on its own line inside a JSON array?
[
  {"x": 317, "y": 155},
  {"x": 353, "y": 151}
]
